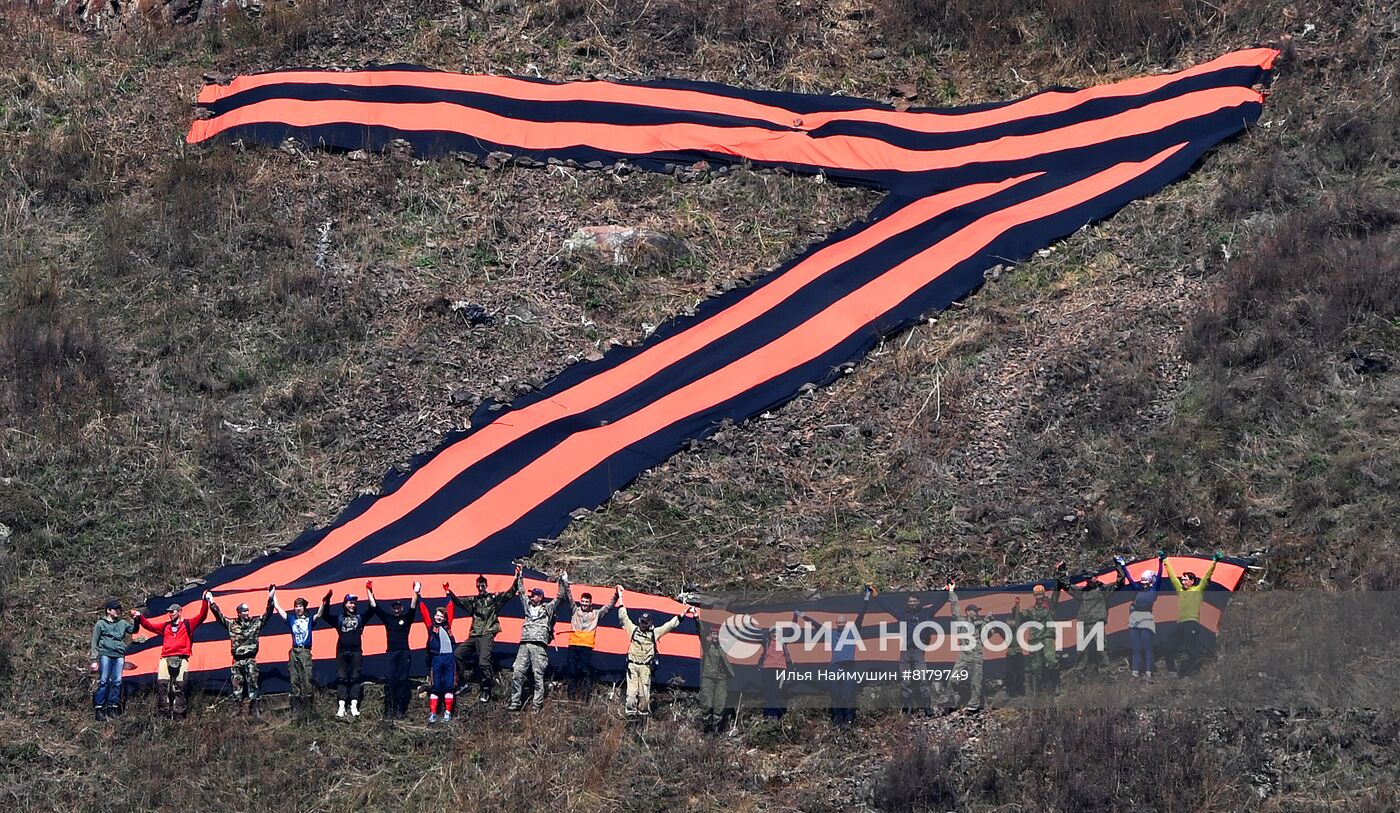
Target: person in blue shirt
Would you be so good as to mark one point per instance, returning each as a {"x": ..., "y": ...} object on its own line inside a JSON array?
[
  {"x": 301, "y": 622},
  {"x": 1142, "y": 626}
]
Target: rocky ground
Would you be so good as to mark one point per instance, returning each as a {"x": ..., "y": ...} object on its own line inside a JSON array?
[{"x": 203, "y": 351}]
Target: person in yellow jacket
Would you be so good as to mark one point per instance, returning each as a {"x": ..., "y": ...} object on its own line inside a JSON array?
[
  {"x": 583, "y": 637},
  {"x": 1191, "y": 641},
  {"x": 641, "y": 653}
]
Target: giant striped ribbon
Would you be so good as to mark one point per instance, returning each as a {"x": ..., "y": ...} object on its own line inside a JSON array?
[{"x": 968, "y": 188}]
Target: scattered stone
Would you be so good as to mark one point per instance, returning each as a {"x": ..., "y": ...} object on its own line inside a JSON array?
[
  {"x": 876, "y": 53},
  {"x": 461, "y": 397},
  {"x": 497, "y": 159},
  {"x": 625, "y": 245}
]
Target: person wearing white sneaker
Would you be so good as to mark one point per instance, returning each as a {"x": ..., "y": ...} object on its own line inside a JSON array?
[{"x": 349, "y": 625}]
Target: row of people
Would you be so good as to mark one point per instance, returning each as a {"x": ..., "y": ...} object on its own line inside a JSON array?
[
  {"x": 448, "y": 659},
  {"x": 455, "y": 665}
]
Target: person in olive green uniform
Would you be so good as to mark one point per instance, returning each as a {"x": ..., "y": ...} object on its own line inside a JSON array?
[
  {"x": 969, "y": 659},
  {"x": 1191, "y": 641},
  {"x": 110, "y": 636},
  {"x": 1042, "y": 662},
  {"x": 1093, "y": 607},
  {"x": 244, "y": 630},
  {"x": 485, "y": 610},
  {"x": 715, "y": 673}
]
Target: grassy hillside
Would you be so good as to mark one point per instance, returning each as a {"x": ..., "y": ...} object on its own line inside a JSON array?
[{"x": 204, "y": 351}]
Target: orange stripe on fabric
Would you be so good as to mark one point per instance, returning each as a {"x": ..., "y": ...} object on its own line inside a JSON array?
[{"x": 567, "y": 461}]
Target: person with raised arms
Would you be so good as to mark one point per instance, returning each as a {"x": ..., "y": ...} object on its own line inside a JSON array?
[
  {"x": 536, "y": 631},
  {"x": 176, "y": 645},
  {"x": 349, "y": 625},
  {"x": 485, "y": 610},
  {"x": 244, "y": 629},
  {"x": 442, "y": 662},
  {"x": 642, "y": 636},
  {"x": 299, "y": 665}
]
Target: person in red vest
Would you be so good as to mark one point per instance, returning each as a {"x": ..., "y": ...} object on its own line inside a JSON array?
[{"x": 176, "y": 644}]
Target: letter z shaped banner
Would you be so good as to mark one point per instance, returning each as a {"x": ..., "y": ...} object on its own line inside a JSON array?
[{"x": 967, "y": 188}]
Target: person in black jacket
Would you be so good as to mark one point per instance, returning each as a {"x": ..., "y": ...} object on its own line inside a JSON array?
[
  {"x": 397, "y": 621},
  {"x": 349, "y": 625}
]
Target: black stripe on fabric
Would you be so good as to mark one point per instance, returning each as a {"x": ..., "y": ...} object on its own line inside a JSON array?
[{"x": 562, "y": 113}]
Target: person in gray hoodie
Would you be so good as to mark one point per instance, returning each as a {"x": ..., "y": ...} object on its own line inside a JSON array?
[
  {"x": 108, "y": 655},
  {"x": 536, "y": 631}
]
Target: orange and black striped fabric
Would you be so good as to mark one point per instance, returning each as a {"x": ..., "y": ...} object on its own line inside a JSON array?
[{"x": 968, "y": 188}]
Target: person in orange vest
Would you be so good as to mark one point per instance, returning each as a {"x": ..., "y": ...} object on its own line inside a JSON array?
[
  {"x": 176, "y": 646},
  {"x": 583, "y": 637}
]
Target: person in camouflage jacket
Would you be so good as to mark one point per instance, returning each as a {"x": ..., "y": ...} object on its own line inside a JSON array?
[
  {"x": 485, "y": 610},
  {"x": 244, "y": 630},
  {"x": 1042, "y": 662},
  {"x": 536, "y": 631}
]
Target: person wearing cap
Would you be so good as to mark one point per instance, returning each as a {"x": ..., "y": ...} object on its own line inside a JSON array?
[
  {"x": 1041, "y": 658},
  {"x": 642, "y": 636},
  {"x": 1190, "y": 641},
  {"x": 536, "y": 631},
  {"x": 475, "y": 651},
  {"x": 1142, "y": 626},
  {"x": 349, "y": 626},
  {"x": 583, "y": 637},
  {"x": 442, "y": 663},
  {"x": 970, "y": 656},
  {"x": 301, "y": 622},
  {"x": 1093, "y": 598},
  {"x": 243, "y": 633},
  {"x": 107, "y": 654},
  {"x": 176, "y": 644},
  {"x": 397, "y": 623}
]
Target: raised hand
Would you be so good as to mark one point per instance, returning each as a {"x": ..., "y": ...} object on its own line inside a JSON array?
[
  {"x": 1217, "y": 556},
  {"x": 1161, "y": 554},
  {"x": 1060, "y": 566},
  {"x": 369, "y": 586},
  {"x": 417, "y": 588},
  {"x": 208, "y": 596},
  {"x": 326, "y": 599},
  {"x": 135, "y": 613},
  {"x": 951, "y": 585},
  {"x": 446, "y": 586}
]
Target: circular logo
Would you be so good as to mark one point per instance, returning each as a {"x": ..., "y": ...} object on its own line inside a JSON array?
[{"x": 741, "y": 637}]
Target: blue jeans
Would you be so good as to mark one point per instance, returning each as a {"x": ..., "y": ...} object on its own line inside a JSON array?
[
  {"x": 444, "y": 674},
  {"x": 109, "y": 681},
  {"x": 1141, "y": 639}
]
